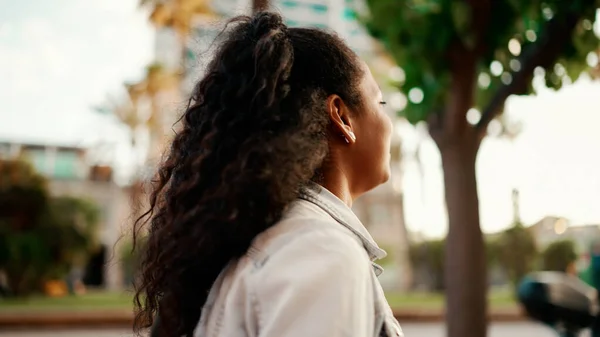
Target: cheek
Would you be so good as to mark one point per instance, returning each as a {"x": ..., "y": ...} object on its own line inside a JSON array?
[{"x": 387, "y": 126}]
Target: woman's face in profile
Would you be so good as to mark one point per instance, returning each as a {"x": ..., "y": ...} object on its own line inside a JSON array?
[{"x": 373, "y": 129}]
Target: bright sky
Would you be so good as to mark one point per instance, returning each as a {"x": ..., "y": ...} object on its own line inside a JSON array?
[
  {"x": 555, "y": 164},
  {"x": 59, "y": 58}
]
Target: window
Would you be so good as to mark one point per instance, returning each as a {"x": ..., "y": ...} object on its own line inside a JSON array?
[
  {"x": 349, "y": 14},
  {"x": 65, "y": 164},
  {"x": 318, "y": 8},
  {"x": 292, "y": 23},
  {"x": 355, "y": 32},
  {"x": 38, "y": 160},
  {"x": 289, "y": 4}
]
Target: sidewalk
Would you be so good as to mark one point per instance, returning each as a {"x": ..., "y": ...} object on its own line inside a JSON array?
[{"x": 124, "y": 319}]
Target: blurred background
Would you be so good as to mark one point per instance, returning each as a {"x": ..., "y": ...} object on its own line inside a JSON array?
[{"x": 91, "y": 92}]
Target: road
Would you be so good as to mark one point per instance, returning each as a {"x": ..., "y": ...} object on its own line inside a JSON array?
[{"x": 410, "y": 330}]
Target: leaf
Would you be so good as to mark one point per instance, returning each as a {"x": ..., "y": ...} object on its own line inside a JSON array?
[
  {"x": 461, "y": 18},
  {"x": 418, "y": 34},
  {"x": 39, "y": 235}
]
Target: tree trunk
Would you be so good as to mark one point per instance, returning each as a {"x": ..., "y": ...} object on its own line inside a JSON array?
[
  {"x": 259, "y": 5},
  {"x": 465, "y": 269},
  {"x": 465, "y": 273}
]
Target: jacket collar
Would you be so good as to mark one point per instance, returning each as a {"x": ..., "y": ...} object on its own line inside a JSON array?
[{"x": 338, "y": 210}]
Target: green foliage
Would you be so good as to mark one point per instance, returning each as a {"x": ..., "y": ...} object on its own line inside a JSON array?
[
  {"x": 130, "y": 259},
  {"x": 559, "y": 255},
  {"x": 421, "y": 35},
  {"x": 513, "y": 251},
  {"x": 40, "y": 236},
  {"x": 23, "y": 194},
  {"x": 516, "y": 252},
  {"x": 77, "y": 220},
  {"x": 429, "y": 255}
]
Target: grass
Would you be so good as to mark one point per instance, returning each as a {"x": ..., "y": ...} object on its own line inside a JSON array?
[
  {"x": 497, "y": 299},
  {"x": 99, "y": 300},
  {"x": 93, "y": 300}
]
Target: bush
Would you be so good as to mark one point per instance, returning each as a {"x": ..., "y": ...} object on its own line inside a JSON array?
[
  {"x": 559, "y": 255},
  {"x": 515, "y": 252},
  {"x": 130, "y": 259},
  {"x": 428, "y": 256},
  {"x": 40, "y": 236}
]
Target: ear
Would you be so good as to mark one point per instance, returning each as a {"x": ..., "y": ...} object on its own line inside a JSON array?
[{"x": 341, "y": 120}]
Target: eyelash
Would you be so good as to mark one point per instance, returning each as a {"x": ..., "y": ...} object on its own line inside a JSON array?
[{"x": 383, "y": 102}]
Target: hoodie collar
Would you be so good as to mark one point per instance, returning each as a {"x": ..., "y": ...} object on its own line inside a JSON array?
[{"x": 337, "y": 209}]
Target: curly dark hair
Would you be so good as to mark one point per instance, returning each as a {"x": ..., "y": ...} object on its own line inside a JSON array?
[{"x": 254, "y": 133}]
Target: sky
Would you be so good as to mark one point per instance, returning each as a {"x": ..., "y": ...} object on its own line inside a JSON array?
[
  {"x": 60, "y": 58},
  {"x": 554, "y": 163}
]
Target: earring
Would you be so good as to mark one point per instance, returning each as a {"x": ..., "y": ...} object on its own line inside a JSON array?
[{"x": 352, "y": 136}]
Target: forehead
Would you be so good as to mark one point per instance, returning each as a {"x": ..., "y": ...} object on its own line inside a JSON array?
[{"x": 368, "y": 84}]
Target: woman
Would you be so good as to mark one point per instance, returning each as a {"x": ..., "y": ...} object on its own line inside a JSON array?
[{"x": 251, "y": 232}]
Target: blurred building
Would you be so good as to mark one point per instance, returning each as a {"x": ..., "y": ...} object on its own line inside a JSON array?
[
  {"x": 550, "y": 229},
  {"x": 70, "y": 174},
  {"x": 336, "y": 15}
]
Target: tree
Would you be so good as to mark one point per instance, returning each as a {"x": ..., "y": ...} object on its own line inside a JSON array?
[
  {"x": 429, "y": 255},
  {"x": 559, "y": 255},
  {"x": 516, "y": 252},
  {"x": 140, "y": 111},
  {"x": 40, "y": 236},
  {"x": 131, "y": 259},
  {"x": 156, "y": 82},
  {"x": 515, "y": 248},
  {"x": 177, "y": 14},
  {"x": 180, "y": 15},
  {"x": 459, "y": 55},
  {"x": 259, "y": 5}
]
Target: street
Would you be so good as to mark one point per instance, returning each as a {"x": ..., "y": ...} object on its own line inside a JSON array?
[{"x": 410, "y": 330}]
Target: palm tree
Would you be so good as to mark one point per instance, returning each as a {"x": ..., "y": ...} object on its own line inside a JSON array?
[
  {"x": 141, "y": 111},
  {"x": 148, "y": 113},
  {"x": 178, "y": 14},
  {"x": 143, "y": 114}
]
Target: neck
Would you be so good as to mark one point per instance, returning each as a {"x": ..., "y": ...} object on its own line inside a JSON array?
[{"x": 336, "y": 182}]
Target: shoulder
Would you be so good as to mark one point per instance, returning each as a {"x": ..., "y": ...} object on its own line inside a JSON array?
[
  {"x": 326, "y": 237},
  {"x": 311, "y": 281},
  {"x": 310, "y": 246}
]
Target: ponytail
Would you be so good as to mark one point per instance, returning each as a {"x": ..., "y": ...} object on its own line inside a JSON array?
[{"x": 254, "y": 134}]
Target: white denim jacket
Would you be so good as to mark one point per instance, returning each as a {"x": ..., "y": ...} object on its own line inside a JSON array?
[{"x": 310, "y": 275}]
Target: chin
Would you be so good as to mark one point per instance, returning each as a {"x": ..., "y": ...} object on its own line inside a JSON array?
[
  {"x": 376, "y": 181},
  {"x": 386, "y": 176}
]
